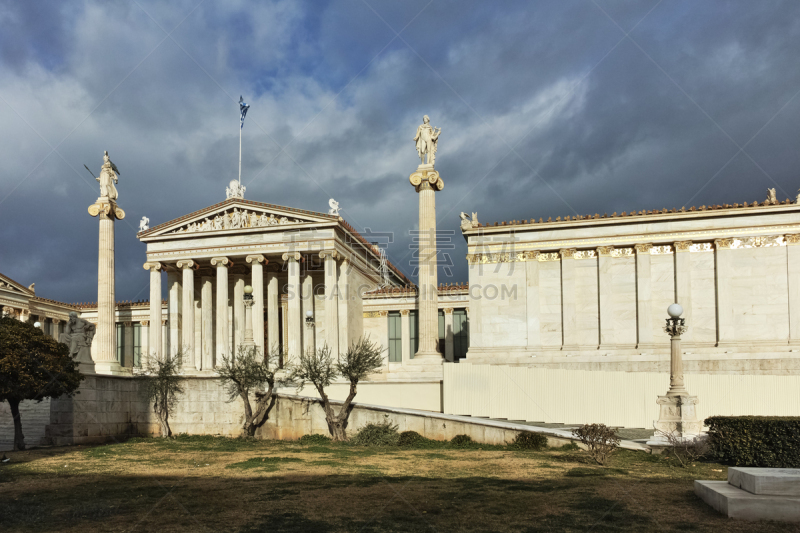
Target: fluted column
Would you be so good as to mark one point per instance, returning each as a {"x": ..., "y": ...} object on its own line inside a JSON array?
[
  {"x": 155, "y": 311},
  {"x": 223, "y": 344},
  {"x": 644, "y": 311},
  {"x": 448, "y": 334},
  {"x": 331, "y": 302},
  {"x": 238, "y": 312},
  {"x": 145, "y": 347},
  {"x": 54, "y": 327},
  {"x": 683, "y": 283},
  {"x": 294, "y": 320},
  {"x": 605, "y": 296},
  {"x": 405, "y": 334},
  {"x": 175, "y": 310},
  {"x": 273, "y": 324},
  {"x": 569, "y": 321},
  {"x": 207, "y": 328},
  {"x": 257, "y": 282},
  {"x": 188, "y": 267},
  {"x": 723, "y": 275},
  {"x": 343, "y": 288},
  {"x": 105, "y": 342},
  {"x": 426, "y": 182}
]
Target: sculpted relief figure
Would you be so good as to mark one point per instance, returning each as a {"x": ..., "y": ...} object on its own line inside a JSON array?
[
  {"x": 772, "y": 199},
  {"x": 253, "y": 219},
  {"x": 427, "y": 140},
  {"x": 217, "y": 222},
  {"x": 78, "y": 335},
  {"x": 108, "y": 177}
]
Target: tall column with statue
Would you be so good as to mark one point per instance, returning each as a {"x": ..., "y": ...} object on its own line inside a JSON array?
[
  {"x": 106, "y": 209},
  {"x": 426, "y": 182}
]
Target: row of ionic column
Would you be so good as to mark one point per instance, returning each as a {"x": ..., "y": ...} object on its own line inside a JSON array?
[{"x": 215, "y": 335}]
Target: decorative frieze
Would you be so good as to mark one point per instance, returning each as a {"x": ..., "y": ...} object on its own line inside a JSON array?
[
  {"x": 585, "y": 254},
  {"x": 236, "y": 220},
  {"x": 701, "y": 247},
  {"x": 551, "y": 256},
  {"x": 661, "y": 250},
  {"x": 373, "y": 314},
  {"x": 622, "y": 252},
  {"x": 759, "y": 242}
]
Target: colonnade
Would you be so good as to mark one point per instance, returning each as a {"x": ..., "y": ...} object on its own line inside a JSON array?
[{"x": 206, "y": 315}]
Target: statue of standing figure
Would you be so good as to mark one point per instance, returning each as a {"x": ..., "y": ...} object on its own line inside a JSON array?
[
  {"x": 427, "y": 140},
  {"x": 108, "y": 177}
]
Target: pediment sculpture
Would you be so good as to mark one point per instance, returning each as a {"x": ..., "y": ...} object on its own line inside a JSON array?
[{"x": 236, "y": 219}]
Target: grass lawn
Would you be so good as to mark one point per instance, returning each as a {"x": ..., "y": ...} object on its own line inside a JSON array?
[{"x": 218, "y": 484}]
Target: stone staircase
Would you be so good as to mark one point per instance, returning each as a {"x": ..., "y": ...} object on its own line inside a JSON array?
[{"x": 755, "y": 494}]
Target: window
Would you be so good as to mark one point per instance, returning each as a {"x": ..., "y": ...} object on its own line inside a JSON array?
[
  {"x": 413, "y": 332},
  {"x": 395, "y": 337},
  {"x": 120, "y": 342},
  {"x": 137, "y": 345},
  {"x": 460, "y": 334},
  {"x": 441, "y": 331}
]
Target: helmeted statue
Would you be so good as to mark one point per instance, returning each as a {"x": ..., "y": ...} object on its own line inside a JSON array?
[
  {"x": 427, "y": 140},
  {"x": 108, "y": 177},
  {"x": 78, "y": 335}
]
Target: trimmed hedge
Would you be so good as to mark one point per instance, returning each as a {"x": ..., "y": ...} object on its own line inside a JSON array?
[{"x": 762, "y": 441}]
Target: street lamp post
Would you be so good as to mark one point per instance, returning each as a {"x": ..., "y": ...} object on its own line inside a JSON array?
[{"x": 677, "y": 409}]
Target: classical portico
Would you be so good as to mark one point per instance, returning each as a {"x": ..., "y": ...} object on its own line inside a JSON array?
[{"x": 308, "y": 271}]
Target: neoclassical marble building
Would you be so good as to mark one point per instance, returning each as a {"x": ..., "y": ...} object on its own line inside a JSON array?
[{"x": 592, "y": 291}]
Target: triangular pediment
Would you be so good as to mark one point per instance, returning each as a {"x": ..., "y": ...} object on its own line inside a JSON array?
[
  {"x": 9, "y": 284},
  {"x": 238, "y": 214}
]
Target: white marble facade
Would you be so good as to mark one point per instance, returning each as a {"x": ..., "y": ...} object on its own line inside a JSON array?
[
  {"x": 304, "y": 262},
  {"x": 592, "y": 292}
]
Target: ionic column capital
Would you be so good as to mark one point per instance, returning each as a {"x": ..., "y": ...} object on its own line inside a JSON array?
[
  {"x": 127, "y": 324},
  {"x": 187, "y": 263},
  {"x": 333, "y": 254},
  {"x": 682, "y": 246},
  {"x": 221, "y": 261},
  {"x": 144, "y": 323},
  {"x": 55, "y": 320},
  {"x": 643, "y": 248},
  {"x": 404, "y": 312},
  {"x": 256, "y": 258},
  {"x": 723, "y": 243},
  {"x": 604, "y": 251},
  {"x": 448, "y": 310},
  {"x": 163, "y": 321},
  {"x": 153, "y": 266},
  {"x": 793, "y": 238},
  {"x": 291, "y": 256},
  {"x": 567, "y": 253}
]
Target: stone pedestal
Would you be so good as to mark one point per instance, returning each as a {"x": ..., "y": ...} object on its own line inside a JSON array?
[
  {"x": 678, "y": 416},
  {"x": 426, "y": 182},
  {"x": 105, "y": 358}
]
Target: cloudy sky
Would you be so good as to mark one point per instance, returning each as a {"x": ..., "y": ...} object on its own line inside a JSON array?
[{"x": 546, "y": 109}]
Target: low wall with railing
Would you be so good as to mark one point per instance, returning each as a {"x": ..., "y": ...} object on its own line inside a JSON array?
[{"x": 626, "y": 399}]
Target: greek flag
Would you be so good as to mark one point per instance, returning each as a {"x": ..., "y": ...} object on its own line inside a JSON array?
[{"x": 243, "y": 107}]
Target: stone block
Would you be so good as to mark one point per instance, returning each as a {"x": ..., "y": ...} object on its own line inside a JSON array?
[
  {"x": 769, "y": 481},
  {"x": 734, "y": 502},
  {"x": 435, "y": 429}
]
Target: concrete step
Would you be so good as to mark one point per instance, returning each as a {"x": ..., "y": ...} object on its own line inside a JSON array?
[
  {"x": 774, "y": 481},
  {"x": 734, "y": 502}
]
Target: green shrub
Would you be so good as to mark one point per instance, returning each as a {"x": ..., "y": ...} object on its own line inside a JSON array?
[
  {"x": 462, "y": 441},
  {"x": 410, "y": 438},
  {"x": 315, "y": 439},
  {"x": 527, "y": 440},
  {"x": 761, "y": 441},
  {"x": 380, "y": 434}
]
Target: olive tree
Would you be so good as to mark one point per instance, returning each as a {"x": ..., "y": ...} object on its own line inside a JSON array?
[
  {"x": 33, "y": 366},
  {"x": 163, "y": 384},
  {"x": 318, "y": 368},
  {"x": 248, "y": 373}
]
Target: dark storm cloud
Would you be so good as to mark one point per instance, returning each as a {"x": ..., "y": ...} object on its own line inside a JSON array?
[{"x": 547, "y": 109}]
